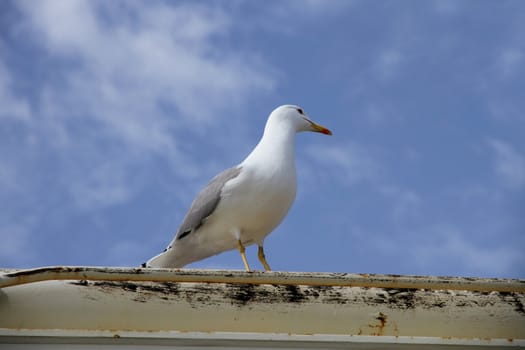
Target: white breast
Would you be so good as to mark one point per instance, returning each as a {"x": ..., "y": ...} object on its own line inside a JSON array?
[{"x": 259, "y": 201}]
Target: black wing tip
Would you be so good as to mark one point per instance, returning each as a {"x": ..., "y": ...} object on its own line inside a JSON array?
[{"x": 185, "y": 233}]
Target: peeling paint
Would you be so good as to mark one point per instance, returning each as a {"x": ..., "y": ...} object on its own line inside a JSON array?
[
  {"x": 487, "y": 285},
  {"x": 246, "y": 294},
  {"x": 513, "y": 299}
]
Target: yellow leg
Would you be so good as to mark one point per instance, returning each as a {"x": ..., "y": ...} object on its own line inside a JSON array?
[
  {"x": 243, "y": 255},
  {"x": 262, "y": 258}
]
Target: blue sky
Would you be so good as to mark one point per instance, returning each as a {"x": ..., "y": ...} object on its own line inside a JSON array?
[{"x": 114, "y": 114}]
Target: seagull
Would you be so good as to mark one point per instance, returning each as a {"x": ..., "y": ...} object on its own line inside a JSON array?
[{"x": 243, "y": 204}]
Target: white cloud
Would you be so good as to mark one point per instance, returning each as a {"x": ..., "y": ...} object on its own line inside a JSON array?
[
  {"x": 510, "y": 62},
  {"x": 445, "y": 244},
  {"x": 104, "y": 185},
  {"x": 442, "y": 248},
  {"x": 315, "y": 7},
  {"x": 8, "y": 176},
  {"x": 131, "y": 80},
  {"x": 150, "y": 54},
  {"x": 11, "y": 107},
  {"x": 506, "y": 109},
  {"x": 348, "y": 163},
  {"x": 125, "y": 253},
  {"x": 15, "y": 248},
  {"x": 286, "y": 17},
  {"x": 447, "y": 7},
  {"x": 352, "y": 164},
  {"x": 378, "y": 113},
  {"x": 388, "y": 64},
  {"x": 404, "y": 203},
  {"x": 509, "y": 164}
]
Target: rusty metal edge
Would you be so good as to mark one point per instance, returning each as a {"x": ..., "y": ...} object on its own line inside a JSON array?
[{"x": 10, "y": 277}]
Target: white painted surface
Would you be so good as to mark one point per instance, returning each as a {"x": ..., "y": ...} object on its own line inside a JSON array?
[{"x": 264, "y": 310}]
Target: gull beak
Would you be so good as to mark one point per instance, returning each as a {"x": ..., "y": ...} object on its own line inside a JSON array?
[{"x": 319, "y": 128}]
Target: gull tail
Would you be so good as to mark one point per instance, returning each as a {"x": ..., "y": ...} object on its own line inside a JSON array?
[{"x": 166, "y": 259}]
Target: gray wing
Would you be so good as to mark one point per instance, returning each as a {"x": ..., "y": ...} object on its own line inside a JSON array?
[{"x": 205, "y": 203}]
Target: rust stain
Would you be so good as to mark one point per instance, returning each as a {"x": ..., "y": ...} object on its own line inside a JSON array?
[{"x": 382, "y": 318}]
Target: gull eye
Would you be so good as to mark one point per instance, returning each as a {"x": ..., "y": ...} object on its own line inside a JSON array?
[{"x": 300, "y": 111}]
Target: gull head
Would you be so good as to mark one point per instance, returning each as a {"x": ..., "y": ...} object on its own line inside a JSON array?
[{"x": 294, "y": 117}]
